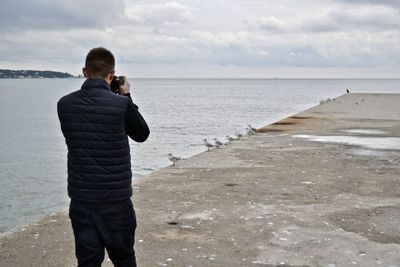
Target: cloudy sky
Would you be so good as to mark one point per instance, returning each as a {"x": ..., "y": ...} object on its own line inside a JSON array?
[{"x": 206, "y": 38}]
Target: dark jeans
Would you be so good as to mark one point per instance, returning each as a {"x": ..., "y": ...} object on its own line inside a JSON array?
[{"x": 104, "y": 225}]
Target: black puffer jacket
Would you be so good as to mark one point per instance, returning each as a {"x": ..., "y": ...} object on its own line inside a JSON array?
[{"x": 95, "y": 123}]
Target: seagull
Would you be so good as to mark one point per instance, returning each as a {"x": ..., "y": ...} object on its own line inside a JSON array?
[
  {"x": 347, "y": 90},
  {"x": 218, "y": 143},
  {"x": 173, "y": 159},
  {"x": 250, "y": 131},
  {"x": 252, "y": 128},
  {"x": 207, "y": 144},
  {"x": 238, "y": 135},
  {"x": 230, "y": 138}
]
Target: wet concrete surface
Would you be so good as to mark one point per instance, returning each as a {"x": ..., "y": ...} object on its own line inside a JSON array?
[{"x": 269, "y": 199}]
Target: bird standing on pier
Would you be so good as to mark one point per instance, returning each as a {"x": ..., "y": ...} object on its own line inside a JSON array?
[
  {"x": 250, "y": 131},
  {"x": 207, "y": 144},
  {"x": 173, "y": 159},
  {"x": 347, "y": 90},
  {"x": 218, "y": 143},
  {"x": 252, "y": 128},
  {"x": 231, "y": 139},
  {"x": 238, "y": 135}
]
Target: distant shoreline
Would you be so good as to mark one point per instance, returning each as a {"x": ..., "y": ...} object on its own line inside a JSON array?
[
  {"x": 34, "y": 74},
  {"x": 38, "y": 78}
]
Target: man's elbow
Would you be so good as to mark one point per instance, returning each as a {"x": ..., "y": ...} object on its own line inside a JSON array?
[{"x": 142, "y": 137}]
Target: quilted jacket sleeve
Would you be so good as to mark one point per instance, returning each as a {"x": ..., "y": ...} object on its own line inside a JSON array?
[{"x": 135, "y": 125}]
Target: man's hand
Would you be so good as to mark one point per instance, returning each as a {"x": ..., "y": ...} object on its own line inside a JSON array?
[{"x": 126, "y": 88}]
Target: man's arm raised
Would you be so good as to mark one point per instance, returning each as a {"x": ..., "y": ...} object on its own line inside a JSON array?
[{"x": 136, "y": 126}]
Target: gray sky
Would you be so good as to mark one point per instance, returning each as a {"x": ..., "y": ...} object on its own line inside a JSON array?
[{"x": 206, "y": 38}]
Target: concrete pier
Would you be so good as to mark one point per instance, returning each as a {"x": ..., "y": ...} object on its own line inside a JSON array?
[{"x": 320, "y": 188}]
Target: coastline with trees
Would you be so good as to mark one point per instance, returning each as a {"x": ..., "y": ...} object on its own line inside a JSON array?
[{"x": 33, "y": 74}]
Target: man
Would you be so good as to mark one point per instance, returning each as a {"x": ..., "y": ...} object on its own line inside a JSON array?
[{"x": 95, "y": 122}]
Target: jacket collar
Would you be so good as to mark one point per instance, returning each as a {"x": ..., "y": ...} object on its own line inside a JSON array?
[{"x": 92, "y": 83}]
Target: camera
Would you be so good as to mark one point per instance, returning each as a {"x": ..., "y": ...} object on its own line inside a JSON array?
[{"x": 116, "y": 83}]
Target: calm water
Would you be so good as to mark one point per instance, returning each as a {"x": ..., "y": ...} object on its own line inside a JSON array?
[{"x": 180, "y": 112}]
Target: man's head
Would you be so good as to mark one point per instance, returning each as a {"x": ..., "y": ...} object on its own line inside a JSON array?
[{"x": 100, "y": 64}]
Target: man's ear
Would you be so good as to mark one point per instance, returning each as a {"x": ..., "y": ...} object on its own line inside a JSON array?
[
  {"x": 110, "y": 76},
  {"x": 85, "y": 72}
]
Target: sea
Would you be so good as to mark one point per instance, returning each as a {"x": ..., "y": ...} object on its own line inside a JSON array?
[{"x": 180, "y": 113}]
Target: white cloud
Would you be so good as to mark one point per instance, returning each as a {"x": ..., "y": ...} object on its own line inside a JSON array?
[
  {"x": 271, "y": 23},
  {"x": 394, "y": 3},
  {"x": 170, "y": 13},
  {"x": 335, "y": 18},
  {"x": 378, "y": 17}
]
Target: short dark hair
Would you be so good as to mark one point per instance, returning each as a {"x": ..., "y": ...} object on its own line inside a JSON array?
[{"x": 99, "y": 62}]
